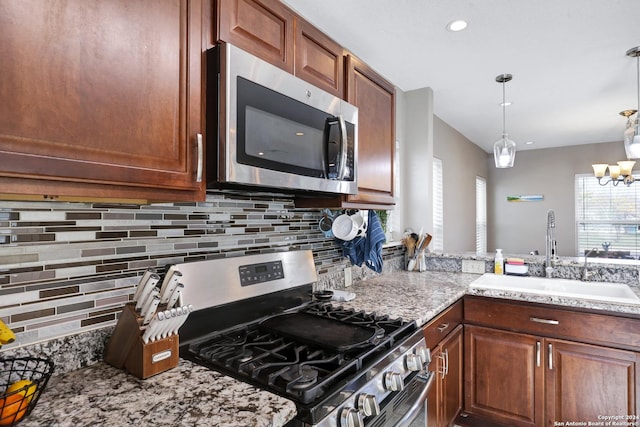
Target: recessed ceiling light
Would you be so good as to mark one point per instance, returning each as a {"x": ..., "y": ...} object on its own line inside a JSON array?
[
  {"x": 528, "y": 143},
  {"x": 505, "y": 104},
  {"x": 457, "y": 25}
]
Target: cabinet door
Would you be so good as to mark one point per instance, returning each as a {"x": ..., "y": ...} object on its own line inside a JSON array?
[
  {"x": 434, "y": 400},
  {"x": 261, "y": 27},
  {"x": 504, "y": 376},
  {"x": 375, "y": 99},
  {"x": 318, "y": 59},
  {"x": 585, "y": 381},
  {"x": 103, "y": 94},
  {"x": 451, "y": 395}
]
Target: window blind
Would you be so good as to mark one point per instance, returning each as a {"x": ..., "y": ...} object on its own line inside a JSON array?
[
  {"x": 607, "y": 217},
  {"x": 437, "y": 244}
]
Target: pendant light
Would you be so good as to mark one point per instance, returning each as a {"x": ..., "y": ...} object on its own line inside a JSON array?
[
  {"x": 632, "y": 132},
  {"x": 504, "y": 150}
]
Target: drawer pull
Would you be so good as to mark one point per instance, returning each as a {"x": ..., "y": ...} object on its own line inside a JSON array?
[
  {"x": 443, "y": 327},
  {"x": 545, "y": 321}
]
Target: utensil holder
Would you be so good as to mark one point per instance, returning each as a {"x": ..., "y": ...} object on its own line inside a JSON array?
[{"x": 126, "y": 349}]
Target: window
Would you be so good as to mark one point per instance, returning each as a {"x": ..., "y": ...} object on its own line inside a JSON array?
[
  {"x": 481, "y": 214},
  {"x": 607, "y": 218},
  {"x": 438, "y": 207}
]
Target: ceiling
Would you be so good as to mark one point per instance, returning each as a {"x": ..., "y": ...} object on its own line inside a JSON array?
[{"x": 571, "y": 74}]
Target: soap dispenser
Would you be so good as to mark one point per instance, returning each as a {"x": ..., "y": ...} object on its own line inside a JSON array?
[{"x": 498, "y": 265}]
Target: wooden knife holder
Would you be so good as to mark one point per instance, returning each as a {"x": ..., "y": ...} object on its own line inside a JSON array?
[{"x": 126, "y": 349}]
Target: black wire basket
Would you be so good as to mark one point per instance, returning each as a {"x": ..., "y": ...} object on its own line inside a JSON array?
[{"x": 22, "y": 381}]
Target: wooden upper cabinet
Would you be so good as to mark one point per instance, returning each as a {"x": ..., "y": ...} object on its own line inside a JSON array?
[
  {"x": 261, "y": 27},
  {"x": 101, "y": 99},
  {"x": 375, "y": 99},
  {"x": 318, "y": 59}
]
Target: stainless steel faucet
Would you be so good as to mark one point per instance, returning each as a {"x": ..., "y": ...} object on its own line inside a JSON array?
[
  {"x": 551, "y": 225},
  {"x": 586, "y": 274}
]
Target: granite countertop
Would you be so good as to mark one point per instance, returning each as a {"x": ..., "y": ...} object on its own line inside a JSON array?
[
  {"x": 410, "y": 295},
  {"x": 187, "y": 395},
  {"x": 192, "y": 395}
]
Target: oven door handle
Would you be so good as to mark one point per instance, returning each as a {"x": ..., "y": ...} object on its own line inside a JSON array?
[{"x": 418, "y": 405}]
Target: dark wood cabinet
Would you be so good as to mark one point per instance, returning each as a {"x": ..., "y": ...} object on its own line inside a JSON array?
[
  {"x": 375, "y": 99},
  {"x": 519, "y": 372},
  {"x": 318, "y": 59},
  {"x": 584, "y": 382},
  {"x": 274, "y": 33},
  {"x": 503, "y": 381},
  {"x": 101, "y": 99},
  {"x": 264, "y": 28},
  {"x": 446, "y": 396}
]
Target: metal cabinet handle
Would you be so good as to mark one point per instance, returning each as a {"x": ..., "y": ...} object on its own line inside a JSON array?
[
  {"x": 545, "y": 321},
  {"x": 446, "y": 365},
  {"x": 443, "y": 327},
  {"x": 537, "y": 354},
  {"x": 443, "y": 371},
  {"x": 550, "y": 355},
  {"x": 200, "y": 155}
]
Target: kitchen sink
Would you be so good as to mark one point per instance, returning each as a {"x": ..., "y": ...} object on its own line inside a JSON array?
[{"x": 598, "y": 291}]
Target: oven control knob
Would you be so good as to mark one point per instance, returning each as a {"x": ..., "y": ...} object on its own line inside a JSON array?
[
  {"x": 368, "y": 405},
  {"x": 393, "y": 381},
  {"x": 424, "y": 354},
  {"x": 350, "y": 417},
  {"x": 414, "y": 362}
]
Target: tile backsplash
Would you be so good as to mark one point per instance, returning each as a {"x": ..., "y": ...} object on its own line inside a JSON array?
[{"x": 66, "y": 268}]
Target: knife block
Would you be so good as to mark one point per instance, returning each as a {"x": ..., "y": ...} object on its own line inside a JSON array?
[{"x": 126, "y": 349}]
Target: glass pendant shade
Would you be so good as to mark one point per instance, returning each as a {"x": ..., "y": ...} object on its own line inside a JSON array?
[{"x": 504, "y": 152}]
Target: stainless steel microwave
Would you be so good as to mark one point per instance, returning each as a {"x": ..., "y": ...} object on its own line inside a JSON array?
[{"x": 268, "y": 128}]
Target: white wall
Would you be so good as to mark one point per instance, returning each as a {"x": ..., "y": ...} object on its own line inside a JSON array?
[
  {"x": 416, "y": 159},
  {"x": 519, "y": 228},
  {"x": 462, "y": 161}
]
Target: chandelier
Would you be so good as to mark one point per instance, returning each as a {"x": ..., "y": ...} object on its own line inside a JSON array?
[{"x": 622, "y": 172}]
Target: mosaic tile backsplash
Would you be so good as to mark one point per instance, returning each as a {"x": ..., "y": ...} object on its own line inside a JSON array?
[{"x": 66, "y": 268}]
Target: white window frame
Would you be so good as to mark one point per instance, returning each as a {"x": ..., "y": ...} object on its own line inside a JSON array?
[{"x": 481, "y": 214}]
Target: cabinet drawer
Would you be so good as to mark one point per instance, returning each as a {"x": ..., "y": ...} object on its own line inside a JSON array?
[
  {"x": 604, "y": 329},
  {"x": 438, "y": 328}
]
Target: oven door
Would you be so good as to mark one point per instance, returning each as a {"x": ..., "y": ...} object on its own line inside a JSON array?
[{"x": 408, "y": 408}]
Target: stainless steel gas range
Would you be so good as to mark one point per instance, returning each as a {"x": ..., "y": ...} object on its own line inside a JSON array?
[{"x": 256, "y": 320}]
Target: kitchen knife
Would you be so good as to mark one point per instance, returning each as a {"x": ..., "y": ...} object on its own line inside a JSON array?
[
  {"x": 164, "y": 326},
  {"x": 146, "y": 291},
  {"x": 150, "y": 333},
  {"x": 169, "y": 285},
  {"x": 185, "y": 312},
  {"x": 143, "y": 281},
  {"x": 150, "y": 308},
  {"x": 169, "y": 325},
  {"x": 175, "y": 295}
]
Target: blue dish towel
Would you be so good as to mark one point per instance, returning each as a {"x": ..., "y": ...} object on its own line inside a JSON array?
[
  {"x": 373, "y": 243},
  {"x": 367, "y": 249}
]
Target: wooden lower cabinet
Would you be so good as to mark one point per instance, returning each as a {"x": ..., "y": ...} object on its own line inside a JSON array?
[
  {"x": 444, "y": 336},
  {"x": 449, "y": 373},
  {"x": 503, "y": 379},
  {"x": 584, "y": 382},
  {"x": 525, "y": 380}
]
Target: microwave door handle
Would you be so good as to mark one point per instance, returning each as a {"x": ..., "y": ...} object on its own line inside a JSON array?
[
  {"x": 343, "y": 148},
  {"x": 327, "y": 132}
]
